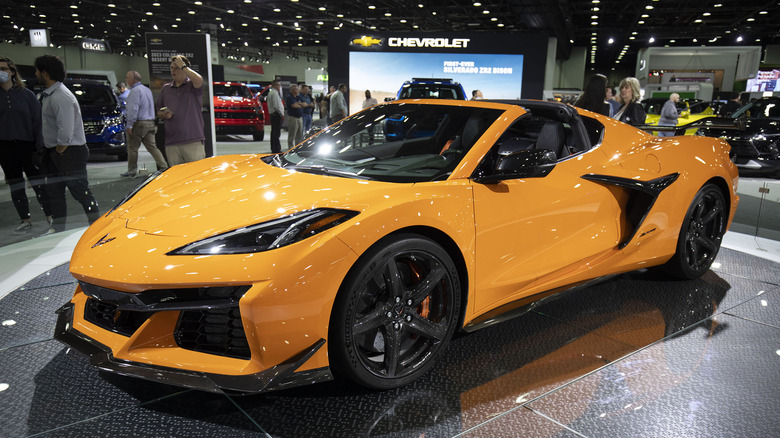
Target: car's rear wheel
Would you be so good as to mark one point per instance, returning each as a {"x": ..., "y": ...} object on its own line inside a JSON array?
[
  {"x": 258, "y": 136},
  {"x": 395, "y": 313},
  {"x": 701, "y": 234}
]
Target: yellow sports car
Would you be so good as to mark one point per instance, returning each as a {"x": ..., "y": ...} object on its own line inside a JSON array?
[
  {"x": 360, "y": 252},
  {"x": 690, "y": 110}
]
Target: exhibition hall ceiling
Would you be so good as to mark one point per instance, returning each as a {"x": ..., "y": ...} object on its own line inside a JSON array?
[{"x": 612, "y": 30}]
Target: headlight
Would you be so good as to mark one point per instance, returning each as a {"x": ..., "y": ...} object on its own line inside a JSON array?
[
  {"x": 112, "y": 121},
  {"x": 268, "y": 235},
  {"x": 137, "y": 189}
]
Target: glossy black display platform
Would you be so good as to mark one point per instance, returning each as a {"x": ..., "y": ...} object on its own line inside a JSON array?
[{"x": 636, "y": 356}]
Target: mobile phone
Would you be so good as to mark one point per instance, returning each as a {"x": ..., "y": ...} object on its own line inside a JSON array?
[{"x": 164, "y": 109}]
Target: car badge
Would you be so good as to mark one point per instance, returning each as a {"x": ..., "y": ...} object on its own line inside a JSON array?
[
  {"x": 103, "y": 241},
  {"x": 366, "y": 41}
]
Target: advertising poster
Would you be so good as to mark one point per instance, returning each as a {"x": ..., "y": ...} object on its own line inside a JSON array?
[{"x": 196, "y": 47}]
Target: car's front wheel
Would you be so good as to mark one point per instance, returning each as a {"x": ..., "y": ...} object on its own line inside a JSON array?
[
  {"x": 395, "y": 312},
  {"x": 701, "y": 234}
]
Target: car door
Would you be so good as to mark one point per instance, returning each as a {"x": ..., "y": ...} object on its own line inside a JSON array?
[{"x": 534, "y": 234}]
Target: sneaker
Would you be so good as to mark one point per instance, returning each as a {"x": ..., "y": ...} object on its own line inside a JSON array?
[
  {"x": 24, "y": 227},
  {"x": 129, "y": 174},
  {"x": 49, "y": 231}
]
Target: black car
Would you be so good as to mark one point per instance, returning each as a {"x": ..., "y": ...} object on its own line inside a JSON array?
[
  {"x": 104, "y": 123},
  {"x": 431, "y": 88},
  {"x": 757, "y": 147}
]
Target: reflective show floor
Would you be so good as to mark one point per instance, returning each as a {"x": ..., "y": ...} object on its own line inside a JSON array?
[{"x": 636, "y": 356}]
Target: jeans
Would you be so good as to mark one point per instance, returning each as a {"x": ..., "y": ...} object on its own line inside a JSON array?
[
  {"x": 69, "y": 169},
  {"x": 17, "y": 160},
  {"x": 306, "y": 123},
  {"x": 276, "y": 132}
]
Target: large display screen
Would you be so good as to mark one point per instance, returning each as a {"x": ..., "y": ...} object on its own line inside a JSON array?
[{"x": 498, "y": 76}]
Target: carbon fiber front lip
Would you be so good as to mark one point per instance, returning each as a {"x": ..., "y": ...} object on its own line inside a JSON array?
[{"x": 280, "y": 376}]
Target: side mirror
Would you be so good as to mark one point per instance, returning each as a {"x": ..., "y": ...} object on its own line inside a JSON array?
[{"x": 522, "y": 164}]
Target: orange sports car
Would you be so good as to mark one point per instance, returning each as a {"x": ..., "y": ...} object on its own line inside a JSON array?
[{"x": 358, "y": 253}]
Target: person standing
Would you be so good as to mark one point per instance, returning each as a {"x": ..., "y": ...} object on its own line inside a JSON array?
[
  {"x": 631, "y": 111},
  {"x": 612, "y": 101},
  {"x": 370, "y": 101},
  {"x": 476, "y": 94},
  {"x": 308, "y": 108},
  {"x": 338, "y": 103},
  {"x": 276, "y": 111},
  {"x": 140, "y": 124},
  {"x": 294, "y": 117},
  {"x": 593, "y": 97},
  {"x": 669, "y": 114},
  {"x": 122, "y": 96},
  {"x": 20, "y": 141},
  {"x": 325, "y": 105},
  {"x": 180, "y": 107},
  {"x": 731, "y": 106},
  {"x": 66, "y": 153}
]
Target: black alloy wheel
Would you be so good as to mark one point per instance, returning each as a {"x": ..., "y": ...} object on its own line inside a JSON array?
[
  {"x": 395, "y": 313},
  {"x": 701, "y": 234}
]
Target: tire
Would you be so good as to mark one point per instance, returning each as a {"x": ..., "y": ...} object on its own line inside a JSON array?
[
  {"x": 701, "y": 234},
  {"x": 121, "y": 157},
  {"x": 405, "y": 293},
  {"x": 258, "y": 136}
]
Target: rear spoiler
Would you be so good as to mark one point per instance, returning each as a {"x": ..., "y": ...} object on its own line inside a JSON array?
[{"x": 707, "y": 122}]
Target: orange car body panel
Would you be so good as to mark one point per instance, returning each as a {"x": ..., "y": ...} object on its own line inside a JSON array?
[{"x": 516, "y": 238}]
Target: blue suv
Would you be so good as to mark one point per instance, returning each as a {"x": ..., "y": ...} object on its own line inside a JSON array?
[
  {"x": 104, "y": 124},
  {"x": 431, "y": 88}
]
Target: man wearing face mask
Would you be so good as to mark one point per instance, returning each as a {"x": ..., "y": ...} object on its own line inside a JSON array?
[{"x": 20, "y": 140}]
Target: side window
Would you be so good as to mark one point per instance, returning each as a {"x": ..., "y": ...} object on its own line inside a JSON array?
[
  {"x": 594, "y": 129},
  {"x": 536, "y": 133}
]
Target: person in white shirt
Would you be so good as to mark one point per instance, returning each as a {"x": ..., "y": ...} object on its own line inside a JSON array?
[
  {"x": 370, "y": 101},
  {"x": 276, "y": 111},
  {"x": 338, "y": 103},
  {"x": 66, "y": 153},
  {"x": 140, "y": 124}
]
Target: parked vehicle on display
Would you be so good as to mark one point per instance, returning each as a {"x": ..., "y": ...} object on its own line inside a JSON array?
[
  {"x": 361, "y": 251},
  {"x": 757, "y": 145},
  {"x": 237, "y": 110},
  {"x": 431, "y": 88},
  {"x": 104, "y": 124},
  {"x": 690, "y": 110}
]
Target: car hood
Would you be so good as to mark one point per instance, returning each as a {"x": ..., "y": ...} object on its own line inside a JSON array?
[
  {"x": 229, "y": 192},
  {"x": 98, "y": 112},
  {"x": 752, "y": 127}
]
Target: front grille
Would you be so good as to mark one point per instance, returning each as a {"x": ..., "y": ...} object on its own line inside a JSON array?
[
  {"x": 235, "y": 115},
  {"x": 107, "y": 316},
  {"x": 214, "y": 331},
  {"x": 93, "y": 127},
  {"x": 743, "y": 148},
  {"x": 209, "y": 322}
]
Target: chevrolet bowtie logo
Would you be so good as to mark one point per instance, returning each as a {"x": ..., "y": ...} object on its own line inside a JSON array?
[
  {"x": 103, "y": 241},
  {"x": 366, "y": 41}
]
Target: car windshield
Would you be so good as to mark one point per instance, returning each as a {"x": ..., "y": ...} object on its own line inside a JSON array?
[
  {"x": 760, "y": 109},
  {"x": 430, "y": 91},
  {"x": 93, "y": 95},
  {"x": 401, "y": 143},
  {"x": 232, "y": 90}
]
